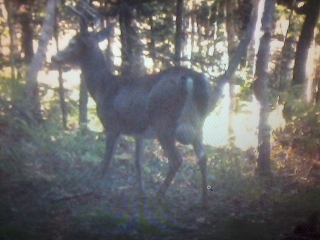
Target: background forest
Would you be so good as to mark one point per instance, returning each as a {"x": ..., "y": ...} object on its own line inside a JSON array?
[{"x": 262, "y": 138}]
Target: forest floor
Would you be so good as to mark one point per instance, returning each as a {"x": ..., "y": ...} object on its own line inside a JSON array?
[{"x": 51, "y": 198}]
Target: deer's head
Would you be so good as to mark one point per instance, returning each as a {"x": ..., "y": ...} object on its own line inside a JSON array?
[{"x": 82, "y": 44}]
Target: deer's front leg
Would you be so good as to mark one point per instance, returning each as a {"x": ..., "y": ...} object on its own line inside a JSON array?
[
  {"x": 138, "y": 159},
  {"x": 111, "y": 141}
]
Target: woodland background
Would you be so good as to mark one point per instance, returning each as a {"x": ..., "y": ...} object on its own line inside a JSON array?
[{"x": 51, "y": 141}]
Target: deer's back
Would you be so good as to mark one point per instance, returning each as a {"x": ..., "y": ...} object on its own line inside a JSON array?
[{"x": 134, "y": 104}]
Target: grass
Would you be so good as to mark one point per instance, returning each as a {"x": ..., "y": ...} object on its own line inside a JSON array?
[{"x": 49, "y": 190}]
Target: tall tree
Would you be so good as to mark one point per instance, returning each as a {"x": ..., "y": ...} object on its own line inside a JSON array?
[
  {"x": 230, "y": 6},
  {"x": 311, "y": 11},
  {"x": 260, "y": 88},
  {"x": 179, "y": 33},
  {"x": 131, "y": 47},
  {"x": 239, "y": 53},
  {"x": 61, "y": 91},
  {"x": 32, "y": 90},
  {"x": 24, "y": 16},
  {"x": 9, "y": 7}
]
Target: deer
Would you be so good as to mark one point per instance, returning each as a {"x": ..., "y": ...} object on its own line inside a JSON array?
[{"x": 171, "y": 105}]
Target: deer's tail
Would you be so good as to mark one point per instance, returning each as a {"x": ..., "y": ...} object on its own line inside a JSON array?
[
  {"x": 195, "y": 108},
  {"x": 181, "y": 99}
]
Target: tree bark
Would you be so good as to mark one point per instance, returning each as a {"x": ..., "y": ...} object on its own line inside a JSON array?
[
  {"x": 83, "y": 105},
  {"x": 8, "y": 5},
  {"x": 179, "y": 32},
  {"x": 287, "y": 54},
  {"x": 131, "y": 47},
  {"x": 152, "y": 43},
  {"x": 261, "y": 90},
  {"x": 239, "y": 53},
  {"x": 24, "y": 18},
  {"x": 32, "y": 90},
  {"x": 232, "y": 41},
  {"x": 306, "y": 36},
  {"x": 61, "y": 91}
]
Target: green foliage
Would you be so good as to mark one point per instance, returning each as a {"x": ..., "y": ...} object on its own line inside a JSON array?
[
  {"x": 244, "y": 79},
  {"x": 302, "y": 131}
]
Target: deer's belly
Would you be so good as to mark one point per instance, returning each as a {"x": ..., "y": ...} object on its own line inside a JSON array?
[{"x": 149, "y": 133}]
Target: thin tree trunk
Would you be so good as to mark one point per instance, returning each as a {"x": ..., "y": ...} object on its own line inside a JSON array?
[
  {"x": 83, "y": 105},
  {"x": 179, "y": 31},
  {"x": 314, "y": 91},
  {"x": 232, "y": 40},
  {"x": 8, "y": 5},
  {"x": 239, "y": 53},
  {"x": 261, "y": 90},
  {"x": 61, "y": 91},
  {"x": 63, "y": 105},
  {"x": 152, "y": 43},
  {"x": 32, "y": 90},
  {"x": 193, "y": 33},
  {"x": 285, "y": 72},
  {"x": 131, "y": 47},
  {"x": 26, "y": 34},
  {"x": 305, "y": 39}
]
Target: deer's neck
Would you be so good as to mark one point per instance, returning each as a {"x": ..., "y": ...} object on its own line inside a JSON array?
[{"x": 97, "y": 76}]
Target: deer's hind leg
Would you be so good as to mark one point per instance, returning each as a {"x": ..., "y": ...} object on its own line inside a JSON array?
[
  {"x": 202, "y": 161},
  {"x": 111, "y": 141},
  {"x": 167, "y": 142}
]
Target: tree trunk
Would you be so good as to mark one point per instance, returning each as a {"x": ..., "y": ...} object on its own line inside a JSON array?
[
  {"x": 83, "y": 105},
  {"x": 232, "y": 41},
  {"x": 243, "y": 11},
  {"x": 26, "y": 33},
  {"x": 8, "y": 5},
  {"x": 61, "y": 91},
  {"x": 305, "y": 39},
  {"x": 287, "y": 54},
  {"x": 32, "y": 90},
  {"x": 179, "y": 32},
  {"x": 315, "y": 84},
  {"x": 152, "y": 43},
  {"x": 131, "y": 47},
  {"x": 193, "y": 33},
  {"x": 260, "y": 88},
  {"x": 285, "y": 71},
  {"x": 239, "y": 53}
]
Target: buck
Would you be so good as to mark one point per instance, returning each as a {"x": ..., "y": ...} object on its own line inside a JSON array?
[{"x": 170, "y": 106}]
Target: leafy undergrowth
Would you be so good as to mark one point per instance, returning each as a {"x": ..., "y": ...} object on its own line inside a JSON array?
[{"x": 50, "y": 190}]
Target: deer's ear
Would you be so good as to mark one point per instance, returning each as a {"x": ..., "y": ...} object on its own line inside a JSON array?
[{"x": 105, "y": 33}]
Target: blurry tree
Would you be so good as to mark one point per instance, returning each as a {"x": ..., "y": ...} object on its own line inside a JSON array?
[
  {"x": 179, "y": 32},
  {"x": 83, "y": 104},
  {"x": 238, "y": 55},
  {"x": 131, "y": 46},
  {"x": 24, "y": 17},
  {"x": 287, "y": 55},
  {"x": 9, "y": 7},
  {"x": 61, "y": 90},
  {"x": 311, "y": 11},
  {"x": 230, "y": 6},
  {"x": 32, "y": 90},
  {"x": 261, "y": 90}
]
